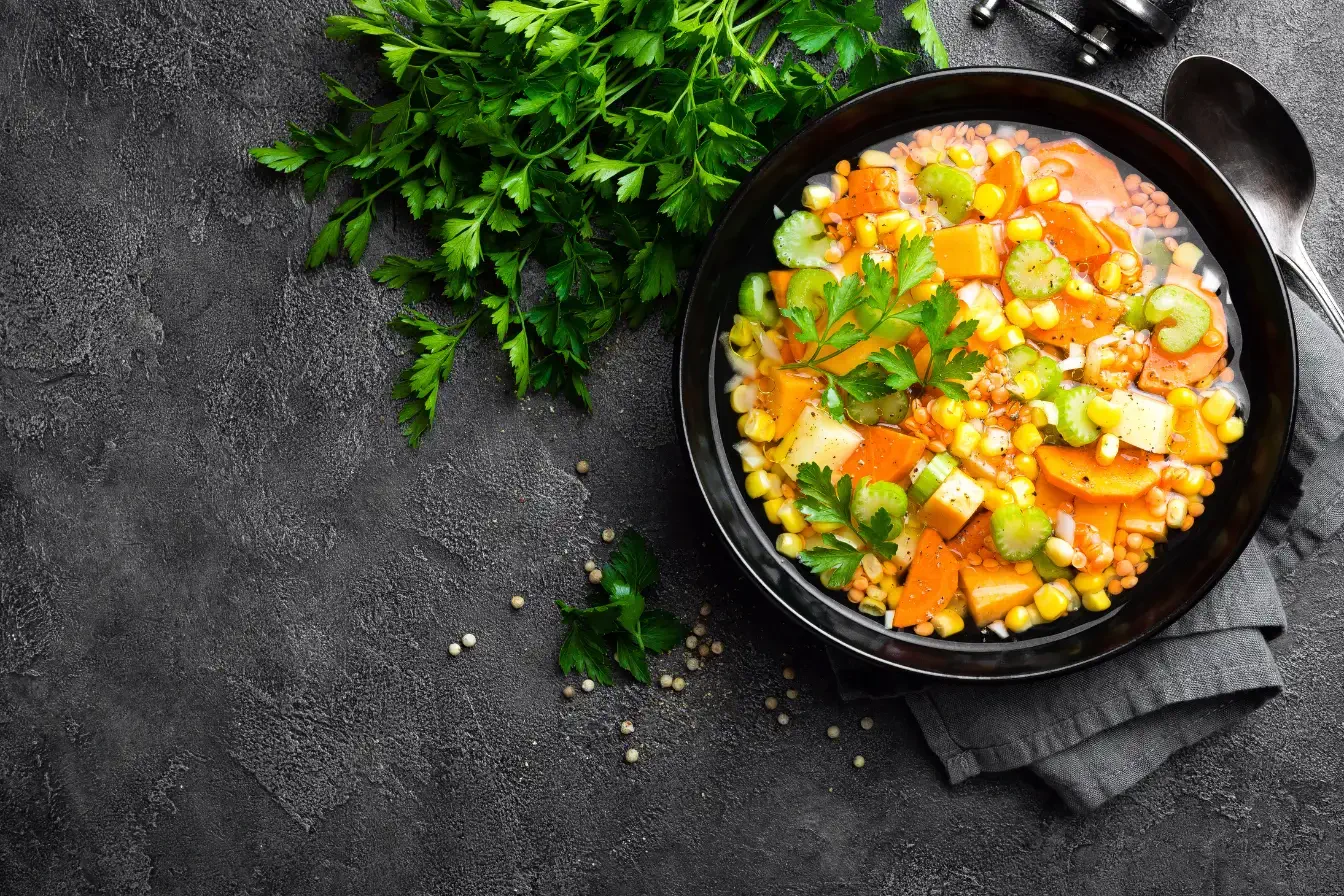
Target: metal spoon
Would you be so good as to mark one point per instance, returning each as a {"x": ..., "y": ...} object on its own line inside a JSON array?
[{"x": 1253, "y": 140}]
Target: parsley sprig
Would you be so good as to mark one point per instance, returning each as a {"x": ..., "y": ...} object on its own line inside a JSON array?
[
  {"x": 621, "y": 626},
  {"x": 591, "y": 141},
  {"x": 950, "y": 363},
  {"x": 827, "y": 500}
]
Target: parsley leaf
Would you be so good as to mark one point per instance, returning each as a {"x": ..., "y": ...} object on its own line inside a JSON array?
[
  {"x": 947, "y": 371},
  {"x": 899, "y": 365},
  {"x": 835, "y": 561},
  {"x": 823, "y": 501},
  {"x": 921, "y": 19},
  {"x": 866, "y": 382}
]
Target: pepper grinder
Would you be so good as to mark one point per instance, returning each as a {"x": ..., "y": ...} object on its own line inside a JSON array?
[{"x": 1108, "y": 27}]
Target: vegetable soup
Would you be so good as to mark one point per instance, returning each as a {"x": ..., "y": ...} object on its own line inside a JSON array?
[{"x": 990, "y": 376}]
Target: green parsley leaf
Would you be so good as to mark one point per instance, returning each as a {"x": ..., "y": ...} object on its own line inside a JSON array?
[
  {"x": 921, "y": 19},
  {"x": 866, "y": 382},
  {"x": 915, "y": 263},
  {"x": 877, "y": 533},
  {"x": 835, "y": 561},
  {"x": 899, "y": 365},
  {"x": 823, "y": 501}
]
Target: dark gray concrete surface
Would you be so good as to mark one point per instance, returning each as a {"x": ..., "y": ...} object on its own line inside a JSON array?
[{"x": 227, "y": 588}]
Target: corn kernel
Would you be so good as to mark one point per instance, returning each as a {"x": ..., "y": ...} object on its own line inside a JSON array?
[
  {"x": 1093, "y": 581},
  {"x": 1046, "y": 315},
  {"x": 888, "y": 222},
  {"x": 947, "y": 412},
  {"x": 817, "y": 197},
  {"x": 791, "y": 517},
  {"x": 1028, "y": 227},
  {"x": 772, "y": 509},
  {"x": 1059, "y": 551},
  {"x": 1187, "y": 255},
  {"x": 911, "y": 228},
  {"x": 1080, "y": 290},
  {"x": 742, "y": 333},
  {"x": 865, "y": 232},
  {"x": 1096, "y": 601},
  {"x": 876, "y": 158},
  {"x": 1108, "y": 277},
  {"x": 774, "y": 487},
  {"x": 975, "y": 409},
  {"x": 1108, "y": 448},
  {"x": 1027, "y": 466},
  {"x": 995, "y": 442},
  {"x": 1051, "y": 602},
  {"x": 758, "y": 483},
  {"x": 1027, "y": 438},
  {"x": 1182, "y": 398},
  {"x": 1018, "y": 312},
  {"x": 1042, "y": 189},
  {"x": 947, "y": 623},
  {"x": 840, "y": 183},
  {"x": 1103, "y": 413},
  {"x": 964, "y": 440},
  {"x": 1177, "y": 508},
  {"x": 1018, "y": 620},
  {"x": 996, "y": 498},
  {"x": 757, "y": 425},
  {"x": 1029, "y": 383},
  {"x": 789, "y": 544},
  {"x": 1218, "y": 406},
  {"x": 753, "y": 458},
  {"x": 992, "y": 327},
  {"x": 1230, "y": 430},
  {"x": 824, "y": 528},
  {"x": 961, "y": 157},
  {"x": 742, "y": 399},
  {"x": 989, "y": 199},
  {"x": 750, "y": 352},
  {"x": 1011, "y": 338},
  {"x": 1194, "y": 481},
  {"x": 1128, "y": 262},
  {"x": 999, "y": 150},
  {"x": 1023, "y": 491}
]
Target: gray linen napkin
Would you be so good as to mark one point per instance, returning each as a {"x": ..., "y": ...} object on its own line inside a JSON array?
[{"x": 1093, "y": 734}]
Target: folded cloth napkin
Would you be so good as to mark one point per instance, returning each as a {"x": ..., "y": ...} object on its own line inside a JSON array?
[{"x": 1093, "y": 734}]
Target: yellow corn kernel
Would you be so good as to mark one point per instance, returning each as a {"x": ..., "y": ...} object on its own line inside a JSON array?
[
  {"x": 1051, "y": 602},
  {"x": 1027, "y": 466},
  {"x": 742, "y": 399},
  {"x": 1059, "y": 551},
  {"x": 975, "y": 409},
  {"x": 1080, "y": 290},
  {"x": 1027, "y": 438},
  {"x": 1108, "y": 447},
  {"x": 999, "y": 150},
  {"x": 789, "y": 544},
  {"x": 840, "y": 183},
  {"x": 1108, "y": 277},
  {"x": 1046, "y": 315},
  {"x": 961, "y": 157},
  {"x": 912, "y": 228},
  {"x": 1182, "y": 398},
  {"x": 772, "y": 509},
  {"x": 947, "y": 412},
  {"x": 1029, "y": 384},
  {"x": 743, "y": 332},
  {"x": 1028, "y": 227},
  {"x": 995, "y": 442},
  {"x": 964, "y": 439},
  {"x": 992, "y": 327},
  {"x": 1023, "y": 491},
  {"x": 865, "y": 232},
  {"x": 989, "y": 198},
  {"x": 1096, "y": 601},
  {"x": 757, "y": 425},
  {"x": 817, "y": 197},
  {"x": 753, "y": 458},
  {"x": 1011, "y": 338},
  {"x": 1093, "y": 581},
  {"x": 1194, "y": 481},
  {"x": 1230, "y": 430},
  {"x": 1177, "y": 507},
  {"x": 996, "y": 498},
  {"x": 1218, "y": 406},
  {"x": 758, "y": 483},
  {"x": 1103, "y": 413},
  {"x": 890, "y": 221},
  {"x": 1187, "y": 255},
  {"x": 791, "y": 517},
  {"x": 1018, "y": 620},
  {"x": 1042, "y": 189},
  {"x": 947, "y": 623},
  {"x": 824, "y": 528},
  {"x": 1018, "y": 312}
]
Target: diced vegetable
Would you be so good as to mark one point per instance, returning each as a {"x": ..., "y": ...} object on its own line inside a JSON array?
[
  {"x": 1034, "y": 272},
  {"x": 1076, "y": 471},
  {"x": 1025, "y": 358},
  {"x": 932, "y": 476},
  {"x": 1136, "y": 517},
  {"x": 953, "y": 188},
  {"x": 1049, "y": 496},
  {"x": 870, "y": 497},
  {"x": 1073, "y": 233},
  {"x": 1182, "y": 318},
  {"x": 1019, "y": 532},
  {"x": 1047, "y": 569},
  {"x": 871, "y": 202},
  {"x": 801, "y": 241},
  {"x": 906, "y": 543},
  {"x": 892, "y": 329},
  {"x": 1198, "y": 442},
  {"x": 1145, "y": 422},
  {"x": 971, "y": 538},
  {"x": 1074, "y": 424},
  {"x": 1101, "y": 517},
  {"x": 931, "y": 583},
  {"x": 754, "y": 301},
  {"x": 1083, "y": 171},
  {"x": 779, "y": 285},
  {"x": 1134, "y": 316},
  {"x": 1163, "y": 370},
  {"x": 786, "y": 393},
  {"x": 818, "y": 438},
  {"x": 807, "y": 290},
  {"x": 885, "y": 454},
  {"x": 862, "y": 180},
  {"x": 991, "y": 593},
  {"x": 966, "y": 252},
  {"x": 954, "y": 502},
  {"x": 890, "y": 409},
  {"x": 1007, "y": 175},
  {"x": 1081, "y": 320}
]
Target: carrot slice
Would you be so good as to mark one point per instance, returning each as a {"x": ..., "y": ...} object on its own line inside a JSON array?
[
  {"x": 1118, "y": 234},
  {"x": 931, "y": 583},
  {"x": 786, "y": 393},
  {"x": 1007, "y": 174},
  {"x": 864, "y": 180},
  {"x": 1080, "y": 320},
  {"x": 991, "y": 593},
  {"x": 1163, "y": 372},
  {"x": 1049, "y": 496},
  {"x": 1101, "y": 517},
  {"x": 865, "y": 203},
  {"x": 885, "y": 454},
  {"x": 1076, "y": 471},
  {"x": 1074, "y": 234},
  {"x": 1083, "y": 171},
  {"x": 971, "y": 538},
  {"x": 779, "y": 285}
]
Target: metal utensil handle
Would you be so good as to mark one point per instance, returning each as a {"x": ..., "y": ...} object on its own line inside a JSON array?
[{"x": 1295, "y": 256}]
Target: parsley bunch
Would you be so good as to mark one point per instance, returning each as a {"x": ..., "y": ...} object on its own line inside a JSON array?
[
  {"x": 591, "y": 140},
  {"x": 621, "y": 626},
  {"x": 824, "y": 501}
]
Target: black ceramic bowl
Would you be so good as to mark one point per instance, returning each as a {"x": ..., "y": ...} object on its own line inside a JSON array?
[{"x": 1193, "y": 561}]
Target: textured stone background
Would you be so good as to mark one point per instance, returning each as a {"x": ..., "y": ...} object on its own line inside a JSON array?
[{"x": 226, "y": 587}]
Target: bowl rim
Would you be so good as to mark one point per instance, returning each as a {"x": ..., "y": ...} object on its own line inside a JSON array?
[{"x": 1230, "y": 556}]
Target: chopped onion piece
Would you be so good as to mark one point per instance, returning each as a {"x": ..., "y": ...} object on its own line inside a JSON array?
[
  {"x": 740, "y": 365},
  {"x": 1076, "y": 358},
  {"x": 998, "y": 628},
  {"x": 1092, "y": 366},
  {"x": 969, "y": 293},
  {"x": 779, "y": 212},
  {"x": 733, "y": 382},
  {"x": 889, "y": 617},
  {"x": 1065, "y": 527},
  {"x": 837, "y": 270},
  {"x": 769, "y": 348}
]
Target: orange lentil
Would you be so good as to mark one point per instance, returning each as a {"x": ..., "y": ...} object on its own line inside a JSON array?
[
  {"x": 1153, "y": 220},
  {"x": 1141, "y": 568},
  {"x": 927, "y": 430},
  {"x": 1206, "y": 489},
  {"x": 1114, "y": 586},
  {"x": 920, "y": 415},
  {"x": 923, "y": 137},
  {"x": 1147, "y": 543},
  {"x": 1033, "y": 142},
  {"x": 937, "y": 446},
  {"x": 976, "y": 393},
  {"x": 1134, "y": 557},
  {"x": 974, "y": 560},
  {"x": 1216, "y": 468},
  {"x": 1147, "y": 187},
  {"x": 1124, "y": 568},
  {"x": 855, "y": 595},
  {"x": 991, "y": 563},
  {"x": 1129, "y": 581},
  {"x": 1227, "y": 375},
  {"x": 1162, "y": 209},
  {"x": 924, "y": 629},
  {"x": 1171, "y": 243},
  {"x": 1159, "y": 196},
  {"x": 842, "y": 168},
  {"x": 1132, "y": 182},
  {"x": 999, "y": 395},
  {"x": 983, "y": 129},
  {"x": 1196, "y": 509},
  {"x": 860, "y": 583},
  {"x": 1149, "y": 207},
  {"x": 1021, "y": 136}
]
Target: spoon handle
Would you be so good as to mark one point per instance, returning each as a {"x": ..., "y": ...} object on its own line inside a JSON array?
[{"x": 1295, "y": 256}]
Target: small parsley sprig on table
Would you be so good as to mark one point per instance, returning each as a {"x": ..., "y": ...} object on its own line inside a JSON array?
[
  {"x": 621, "y": 626},
  {"x": 592, "y": 141},
  {"x": 831, "y": 502}
]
